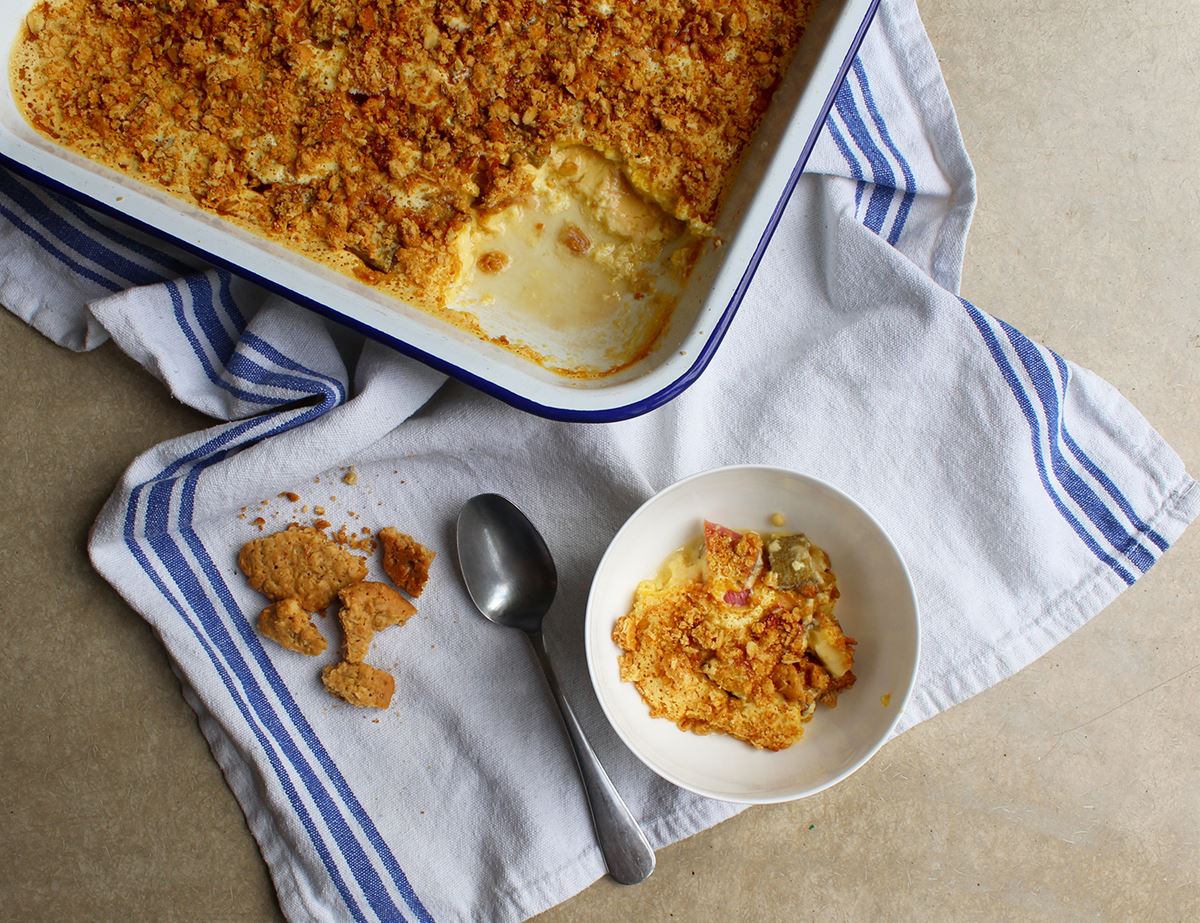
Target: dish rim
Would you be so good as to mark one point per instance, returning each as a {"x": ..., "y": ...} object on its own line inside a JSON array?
[
  {"x": 900, "y": 702},
  {"x": 617, "y": 413}
]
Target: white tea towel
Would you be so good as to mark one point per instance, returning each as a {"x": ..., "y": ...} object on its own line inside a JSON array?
[{"x": 1024, "y": 492}]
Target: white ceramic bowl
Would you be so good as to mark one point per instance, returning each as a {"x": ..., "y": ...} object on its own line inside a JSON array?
[{"x": 878, "y": 607}]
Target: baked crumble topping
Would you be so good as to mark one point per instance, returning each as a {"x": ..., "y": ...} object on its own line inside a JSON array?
[
  {"x": 375, "y": 135},
  {"x": 738, "y": 635}
]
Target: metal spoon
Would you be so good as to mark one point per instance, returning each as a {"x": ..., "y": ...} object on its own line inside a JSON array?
[{"x": 512, "y": 580}]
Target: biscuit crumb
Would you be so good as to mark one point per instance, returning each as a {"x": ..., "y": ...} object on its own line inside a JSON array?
[
  {"x": 350, "y": 539},
  {"x": 368, "y": 608},
  {"x": 405, "y": 560},
  {"x": 290, "y": 495},
  {"x": 287, "y": 624},
  {"x": 573, "y": 238},
  {"x": 258, "y": 521},
  {"x": 302, "y": 563},
  {"x": 350, "y": 477},
  {"x": 321, "y": 523},
  {"x": 492, "y": 261},
  {"x": 319, "y": 510},
  {"x": 360, "y": 684}
]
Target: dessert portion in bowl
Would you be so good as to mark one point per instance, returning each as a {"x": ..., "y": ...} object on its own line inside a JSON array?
[{"x": 738, "y": 634}]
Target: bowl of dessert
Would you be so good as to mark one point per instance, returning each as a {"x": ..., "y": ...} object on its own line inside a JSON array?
[{"x": 752, "y": 634}]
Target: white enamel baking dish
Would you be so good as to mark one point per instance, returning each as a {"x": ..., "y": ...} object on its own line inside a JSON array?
[{"x": 711, "y": 299}]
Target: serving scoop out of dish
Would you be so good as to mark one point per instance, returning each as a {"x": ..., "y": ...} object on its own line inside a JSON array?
[{"x": 511, "y": 578}]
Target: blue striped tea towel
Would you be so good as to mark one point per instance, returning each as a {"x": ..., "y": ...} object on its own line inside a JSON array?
[{"x": 1024, "y": 492}]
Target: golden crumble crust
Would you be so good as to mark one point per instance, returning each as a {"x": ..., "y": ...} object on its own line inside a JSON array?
[
  {"x": 367, "y": 608},
  {"x": 300, "y": 563},
  {"x": 712, "y": 660},
  {"x": 369, "y": 133},
  {"x": 287, "y": 624}
]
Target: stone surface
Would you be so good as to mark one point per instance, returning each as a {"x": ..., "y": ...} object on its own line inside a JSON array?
[{"x": 1071, "y": 791}]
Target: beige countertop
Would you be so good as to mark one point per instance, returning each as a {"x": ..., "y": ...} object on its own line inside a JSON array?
[{"x": 1071, "y": 791}]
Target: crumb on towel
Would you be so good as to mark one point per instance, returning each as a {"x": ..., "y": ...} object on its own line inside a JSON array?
[
  {"x": 286, "y": 623},
  {"x": 359, "y": 684},
  {"x": 405, "y": 560}
]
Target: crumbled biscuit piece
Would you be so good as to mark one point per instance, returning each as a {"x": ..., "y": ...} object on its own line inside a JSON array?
[
  {"x": 360, "y": 684},
  {"x": 492, "y": 261},
  {"x": 367, "y": 608},
  {"x": 301, "y": 563},
  {"x": 286, "y": 623},
  {"x": 350, "y": 477},
  {"x": 344, "y": 536},
  {"x": 290, "y": 495},
  {"x": 405, "y": 560},
  {"x": 574, "y": 239}
]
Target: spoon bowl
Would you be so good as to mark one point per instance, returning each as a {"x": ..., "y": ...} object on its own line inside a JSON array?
[{"x": 508, "y": 569}]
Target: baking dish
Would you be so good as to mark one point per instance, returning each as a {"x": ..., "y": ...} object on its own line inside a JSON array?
[{"x": 707, "y": 305}]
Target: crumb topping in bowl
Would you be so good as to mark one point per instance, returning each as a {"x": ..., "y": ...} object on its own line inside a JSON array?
[{"x": 737, "y": 634}]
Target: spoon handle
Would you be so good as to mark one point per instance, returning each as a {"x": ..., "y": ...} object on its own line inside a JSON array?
[{"x": 626, "y": 850}]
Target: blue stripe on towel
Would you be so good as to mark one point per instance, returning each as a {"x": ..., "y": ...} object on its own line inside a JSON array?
[
  {"x": 228, "y": 302},
  {"x": 239, "y": 364},
  {"x": 1096, "y": 472},
  {"x": 206, "y": 315},
  {"x": 206, "y": 455},
  {"x": 881, "y": 172},
  {"x": 910, "y": 183},
  {"x": 257, "y": 374},
  {"x": 197, "y": 596},
  {"x": 1014, "y": 384},
  {"x": 270, "y": 353},
  {"x": 214, "y": 449},
  {"x": 372, "y": 833},
  {"x": 851, "y": 161},
  {"x": 37, "y": 237},
  {"x": 205, "y": 362},
  {"x": 86, "y": 246},
  {"x": 272, "y": 755},
  {"x": 261, "y": 346},
  {"x": 1079, "y": 490},
  {"x": 254, "y": 643},
  {"x": 88, "y": 217}
]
